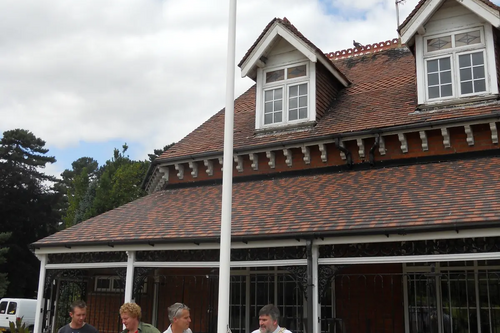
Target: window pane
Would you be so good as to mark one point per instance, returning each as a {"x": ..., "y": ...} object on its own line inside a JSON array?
[
  {"x": 467, "y": 38},
  {"x": 479, "y": 85},
  {"x": 293, "y": 114},
  {"x": 278, "y": 118},
  {"x": 302, "y": 101},
  {"x": 303, "y": 113},
  {"x": 274, "y": 76},
  {"x": 268, "y": 118},
  {"x": 278, "y": 93},
  {"x": 303, "y": 89},
  {"x": 445, "y": 77},
  {"x": 477, "y": 58},
  {"x": 293, "y": 90},
  {"x": 440, "y": 43},
  {"x": 433, "y": 79},
  {"x": 103, "y": 283},
  {"x": 444, "y": 64},
  {"x": 465, "y": 74},
  {"x": 296, "y": 71},
  {"x": 268, "y": 95},
  {"x": 466, "y": 87},
  {"x": 12, "y": 308},
  {"x": 446, "y": 90},
  {"x": 278, "y": 105},
  {"x": 293, "y": 103},
  {"x": 478, "y": 72},
  {"x": 3, "y": 307},
  {"x": 464, "y": 60},
  {"x": 268, "y": 107},
  {"x": 433, "y": 92},
  {"x": 432, "y": 66}
]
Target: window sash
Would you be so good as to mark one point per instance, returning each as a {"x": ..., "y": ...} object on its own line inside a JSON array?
[{"x": 288, "y": 103}]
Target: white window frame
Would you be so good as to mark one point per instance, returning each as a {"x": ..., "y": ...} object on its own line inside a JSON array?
[
  {"x": 422, "y": 56},
  {"x": 262, "y": 86},
  {"x": 111, "y": 287}
]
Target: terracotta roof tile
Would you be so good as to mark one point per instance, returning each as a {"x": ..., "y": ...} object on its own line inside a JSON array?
[
  {"x": 444, "y": 194},
  {"x": 382, "y": 94}
]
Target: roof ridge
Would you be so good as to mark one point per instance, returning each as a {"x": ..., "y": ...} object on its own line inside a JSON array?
[{"x": 365, "y": 49}]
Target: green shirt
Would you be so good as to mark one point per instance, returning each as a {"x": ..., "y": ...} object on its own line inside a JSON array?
[{"x": 144, "y": 328}]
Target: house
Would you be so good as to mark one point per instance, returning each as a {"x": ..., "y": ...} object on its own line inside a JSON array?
[{"x": 365, "y": 195}]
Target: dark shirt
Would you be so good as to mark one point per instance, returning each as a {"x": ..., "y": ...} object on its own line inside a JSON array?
[
  {"x": 144, "y": 328},
  {"x": 84, "y": 329}
]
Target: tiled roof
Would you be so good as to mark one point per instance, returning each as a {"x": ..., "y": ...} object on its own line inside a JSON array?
[
  {"x": 421, "y": 3},
  {"x": 425, "y": 196},
  {"x": 382, "y": 94}
]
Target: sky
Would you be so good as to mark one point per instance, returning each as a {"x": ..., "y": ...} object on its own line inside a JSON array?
[{"x": 88, "y": 76}]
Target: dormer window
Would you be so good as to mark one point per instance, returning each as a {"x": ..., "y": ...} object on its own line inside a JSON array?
[
  {"x": 286, "y": 94},
  {"x": 455, "y": 65}
]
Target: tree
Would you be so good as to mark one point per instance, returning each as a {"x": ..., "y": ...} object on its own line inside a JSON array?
[
  {"x": 3, "y": 276},
  {"x": 28, "y": 204},
  {"x": 157, "y": 152}
]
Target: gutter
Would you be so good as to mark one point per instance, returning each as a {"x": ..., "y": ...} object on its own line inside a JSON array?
[{"x": 457, "y": 227}]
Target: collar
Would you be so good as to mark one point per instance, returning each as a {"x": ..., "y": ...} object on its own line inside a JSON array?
[{"x": 277, "y": 329}]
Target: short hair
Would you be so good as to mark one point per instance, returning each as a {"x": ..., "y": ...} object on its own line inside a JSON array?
[
  {"x": 173, "y": 310},
  {"x": 270, "y": 310},
  {"x": 77, "y": 304},
  {"x": 132, "y": 309}
]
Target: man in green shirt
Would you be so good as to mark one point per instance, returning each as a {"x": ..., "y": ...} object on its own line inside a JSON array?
[{"x": 131, "y": 319}]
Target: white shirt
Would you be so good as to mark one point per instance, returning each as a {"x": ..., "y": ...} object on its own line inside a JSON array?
[
  {"x": 169, "y": 330},
  {"x": 275, "y": 331}
]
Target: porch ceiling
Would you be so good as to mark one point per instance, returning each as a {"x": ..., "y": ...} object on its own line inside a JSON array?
[{"x": 422, "y": 197}]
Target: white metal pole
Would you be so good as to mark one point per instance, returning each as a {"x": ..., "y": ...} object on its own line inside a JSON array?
[
  {"x": 39, "y": 297},
  {"x": 129, "y": 277},
  {"x": 227, "y": 178}
]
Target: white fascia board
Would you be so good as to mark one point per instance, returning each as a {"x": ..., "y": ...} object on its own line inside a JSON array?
[
  {"x": 483, "y": 10},
  {"x": 162, "y": 247},
  {"x": 267, "y": 41},
  {"x": 332, "y": 70},
  {"x": 451, "y": 234},
  {"x": 410, "y": 259},
  {"x": 211, "y": 264},
  {"x": 87, "y": 265},
  {"x": 419, "y": 19}
]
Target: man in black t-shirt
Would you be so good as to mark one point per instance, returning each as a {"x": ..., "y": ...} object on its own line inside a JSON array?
[{"x": 78, "y": 312}]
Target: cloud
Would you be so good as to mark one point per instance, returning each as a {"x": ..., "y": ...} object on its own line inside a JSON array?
[{"x": 147, "y": 71}]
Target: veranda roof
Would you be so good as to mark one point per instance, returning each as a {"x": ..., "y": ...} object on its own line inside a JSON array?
[{"x": 446, "y": 195}]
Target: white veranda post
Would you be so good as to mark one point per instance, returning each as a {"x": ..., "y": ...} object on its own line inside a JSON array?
[{"x": 227, "y": 178}]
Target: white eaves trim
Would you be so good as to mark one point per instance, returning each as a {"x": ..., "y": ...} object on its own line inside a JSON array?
[
  {"x": 268, "y": 41},
  {"x": 431, "y": 6}
]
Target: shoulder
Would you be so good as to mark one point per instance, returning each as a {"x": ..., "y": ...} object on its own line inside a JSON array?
[
  {"x": 90, "y": 328},
  {"x": 63, "y": 329},
  {"x": 188, "y": 331},
  {"x": 148, "y": 328},
  {"x": 256, "y": 331}
]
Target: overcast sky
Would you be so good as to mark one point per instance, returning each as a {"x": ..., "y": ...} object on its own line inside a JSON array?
[{"x": 87, "y": 76}]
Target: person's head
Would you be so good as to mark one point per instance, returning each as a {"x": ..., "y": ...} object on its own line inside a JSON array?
[
  {"x": 269, "y": 316},
  {"x": 131, "y": 316},
  {"x": 78, "y": 313},
  {"x": 179, "y": 316}
]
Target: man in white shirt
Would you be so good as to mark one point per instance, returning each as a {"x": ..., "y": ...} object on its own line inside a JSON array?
[
  {"x": 269, "y": 316},
  {"x": 180, "y": 317}
]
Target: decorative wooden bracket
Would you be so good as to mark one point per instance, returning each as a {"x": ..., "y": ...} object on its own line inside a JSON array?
[
  {"x": 322, "y": 149},
  {"x": 423, "y": 137},
  {"x": 494, "y": 132},
  {"x": 270, "y": 156},
  {"x": 404, "y": 143},
  {"x": 381, "y": 145},
  {"x": 194, "y": 169},
  {"x": 470, "y": 135},
  {"x": 254, "y": 158},
  {"x": 288, "y": 156},
  {"x": 361, "y": 148},
  {"x": 446, "y": 137},
  {"x": 180, "y": 171},
  {"x": 210, "y": 167},
  {"x": 239, "y": 163},
  {"x": 307, "y": 154}
]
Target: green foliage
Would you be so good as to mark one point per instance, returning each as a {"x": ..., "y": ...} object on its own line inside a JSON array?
[
  {"x": 18, "y": 326},
  {"x": 3, "y": 250},
  {"x": 27, "y": 206}
]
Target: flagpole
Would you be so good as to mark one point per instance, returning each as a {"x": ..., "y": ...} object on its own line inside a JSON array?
[{"x": 227, "y": 179}]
